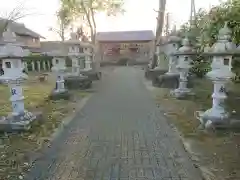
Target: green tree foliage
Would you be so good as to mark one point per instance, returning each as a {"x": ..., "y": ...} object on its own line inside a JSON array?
[
  {"x": 85, "y": 11},
  {"x": 207, "y": 27}
]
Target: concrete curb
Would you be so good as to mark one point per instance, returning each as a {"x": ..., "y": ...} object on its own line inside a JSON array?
[{"x": 69, "y": 118}]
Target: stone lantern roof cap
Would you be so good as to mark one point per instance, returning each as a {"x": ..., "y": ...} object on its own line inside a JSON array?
[
  {"x": 56, "y": 53},
  {"x": 223, "y": 46},
  {"x": 11, "y": 48},
  {"x": 13, "y": 74},
  {"x": 174, "y": 36},
  {"x": 186, "y": 49},
  {"x": 207, "y": 49},
  {"x": 225, "y": 32}
]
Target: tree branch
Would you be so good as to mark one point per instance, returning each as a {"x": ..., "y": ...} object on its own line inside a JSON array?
[
  {"x": 93, "y": 20},
  {"x": 88, "y": 19},
  {"x": 14, "y": 15}
]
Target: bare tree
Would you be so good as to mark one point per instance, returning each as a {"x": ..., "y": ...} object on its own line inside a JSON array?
[
  {"x": 15, "y": 14},
  {"x": 63, "y": 22},
  {"x": 86, "y": 10}
]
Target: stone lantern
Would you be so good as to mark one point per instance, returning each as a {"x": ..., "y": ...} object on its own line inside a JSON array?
[
  {"x": 11, "y": 54},
  {"x": 160, "y": 67},
  {"x": 91, "y": 67},
  {"x": 172, "y": 46},
  {"x": 74, "y": 53},
  {"x": 222, "y": 53},
  {"x": 59, "y": 69},
  {"x": 171, "y": 78},
  {"x": 184, "y": 55},
  {"x": 88, "y": 58}
]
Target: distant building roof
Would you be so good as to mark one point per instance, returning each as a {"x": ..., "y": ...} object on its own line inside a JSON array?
[
  {"x": 145, "y": 35},
  {"x": 19, "y": 29},
  {"x": 47, "y": 46},
  {"x": 34, "y": 50}
]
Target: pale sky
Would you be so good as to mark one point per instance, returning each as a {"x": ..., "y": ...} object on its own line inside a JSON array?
[{"x": 139, "y": 14}]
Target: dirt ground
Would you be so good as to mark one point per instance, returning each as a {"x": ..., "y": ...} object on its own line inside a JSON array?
[
  {"x": 16, "y": 149},
  {"x": 216, "y": 153}
]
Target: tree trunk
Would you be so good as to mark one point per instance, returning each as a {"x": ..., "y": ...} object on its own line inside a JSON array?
[
  {"x": 94, "y": 24},
  {"x": 161, "y": 12},
  {"x": 62, "y": 32},
  {"x": 88, "y": 14}
]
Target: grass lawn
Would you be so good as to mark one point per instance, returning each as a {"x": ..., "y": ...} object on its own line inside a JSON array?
[
  {"x": 14, "y": 148},
  {"x": 217, "y": 152}
]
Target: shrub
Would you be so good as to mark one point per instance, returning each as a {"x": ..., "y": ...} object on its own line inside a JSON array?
[{"x": 200, "y": 68}]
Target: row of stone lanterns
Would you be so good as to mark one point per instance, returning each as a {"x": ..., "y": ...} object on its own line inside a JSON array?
[
  {"x": 170, "y": 78},
  {"x": 11, "y": 55},
  {"x": 221, "y": 52}
]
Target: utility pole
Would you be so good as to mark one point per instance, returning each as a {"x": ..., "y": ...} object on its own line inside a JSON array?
[
  {"x": 167, "y": 25},
  {"x": 160, "y": 19},
  {"x": 159, "y": 29},
  {"x": 192, "y": 25},
  {"x": 192, "y": 14}
]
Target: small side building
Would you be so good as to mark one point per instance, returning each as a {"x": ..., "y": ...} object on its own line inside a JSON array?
[{"x": 125, "y": 47}]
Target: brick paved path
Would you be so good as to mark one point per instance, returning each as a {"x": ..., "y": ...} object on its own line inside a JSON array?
[{"x": 118, "y": 135}]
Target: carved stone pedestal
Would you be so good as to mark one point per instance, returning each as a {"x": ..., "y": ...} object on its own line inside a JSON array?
[
  {"x": 60, "y": 95},
  {"x": 21, "y": 122},
  {"x": 154, "y": 73},
  {"x": 91, "y": 74},
  {"x": 170, "y": 81},
  {"x": 78, "y": 82}
]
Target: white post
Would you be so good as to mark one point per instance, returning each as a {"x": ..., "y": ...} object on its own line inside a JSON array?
[
  {"x": 49, "y": 65},
  {"x": 33, "y": 66},
  {"x": 39, "y": 67},
  {"x": 44, "y": 65}
]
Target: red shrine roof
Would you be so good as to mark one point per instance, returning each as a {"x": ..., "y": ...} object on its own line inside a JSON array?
[{"x": 144, "y": 35}]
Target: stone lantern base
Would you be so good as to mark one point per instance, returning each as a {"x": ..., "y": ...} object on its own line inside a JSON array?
[
  {"x": 78, "y": 82},
  {"x": 216, "y": 116},
  {"x": 166, "y": 81},
  {"x": 91, "y": 74},
  {"x": 55, "y": 95},
  {"x": 181, "y": 93},
  {"x": 170, "y": 81},
  {"x": 21, "y": 122},
  {"x": 214, "y": 119},
  {"x": 154, "y": 73}
]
